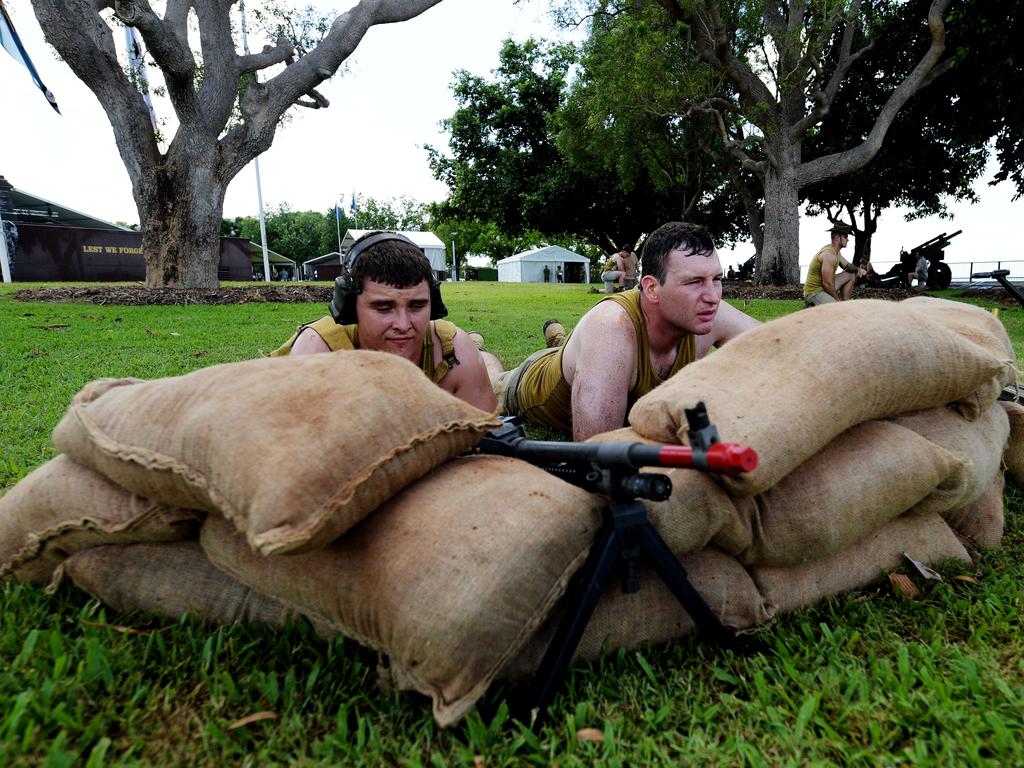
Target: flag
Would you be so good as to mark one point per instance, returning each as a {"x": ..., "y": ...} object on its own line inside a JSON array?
[
  {"x": 352, "y": 207},
  {"x": 337, "y": 212},
  {"x": 12, "y": 44},
  {"x": 138, "y": 67}
]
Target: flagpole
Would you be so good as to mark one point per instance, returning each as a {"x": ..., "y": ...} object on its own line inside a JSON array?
[
  {"x": 337, "y": 220},
  {"x": 256, "y": 163},
  {"x": 5, "y": 264}
]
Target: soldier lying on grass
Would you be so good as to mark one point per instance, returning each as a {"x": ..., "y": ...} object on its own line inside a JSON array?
[{"x": 387, "y": 299}]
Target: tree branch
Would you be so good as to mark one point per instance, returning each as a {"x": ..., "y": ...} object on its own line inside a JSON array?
[
  {"x": 65, "y": 23},
  {"x": 850, "y": 160},
  {"x": 264, "y": 103}
]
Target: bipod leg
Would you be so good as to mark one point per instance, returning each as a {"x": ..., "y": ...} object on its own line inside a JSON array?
[
  {"x": 674, "y": 575},
  {"x": 579, "y": 607}
]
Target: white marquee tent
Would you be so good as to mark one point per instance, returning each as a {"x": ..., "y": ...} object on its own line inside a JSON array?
[{"x": 528, "y": 266}]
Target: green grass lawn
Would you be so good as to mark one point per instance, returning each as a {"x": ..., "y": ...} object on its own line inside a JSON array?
[{"x": 861, "y": 680}]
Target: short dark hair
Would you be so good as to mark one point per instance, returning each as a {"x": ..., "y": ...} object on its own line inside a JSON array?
[
  {"x": 674, "y": 236},
  {"x": 396, "y": 263}
]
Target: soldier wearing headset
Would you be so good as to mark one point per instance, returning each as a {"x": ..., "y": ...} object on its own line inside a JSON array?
[{"x": 387, "y": 299}]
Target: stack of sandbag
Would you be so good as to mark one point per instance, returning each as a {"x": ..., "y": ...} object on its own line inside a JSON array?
[
  {"x": 346, "y": 510},
  {"x": 877, "y": 428},
  {"x": 146, "y": 461},
  {"x": 292, "y": 451}
]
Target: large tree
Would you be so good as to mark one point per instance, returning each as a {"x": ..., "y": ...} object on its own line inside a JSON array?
[
  {"x": 619, "y": 123},
  {"x": 807, "y": 52},
  {"x": 939, "y": 144},
  {"x": 505, "y": 164},
  {"x": 783, "y": 63},
  {"x": 179, "y": 191}
]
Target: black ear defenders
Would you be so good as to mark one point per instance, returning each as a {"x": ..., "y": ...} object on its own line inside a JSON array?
[{"x": 343, "y": 304}]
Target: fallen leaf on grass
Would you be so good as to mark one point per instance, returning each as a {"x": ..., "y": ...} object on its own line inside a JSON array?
[
  {"x": 200, "y": 353},
  {"x": 965, "y": 577},
  {"x": 116, "y": 627},
  {"x": 255, "y": 717},
  {"x": 50, "y": 327},
  {"x": 922, "y": 569},
  {"x": 589, "y": 734},
  {"x": 903, "y": 586},
  {"x": 175, "y": 333},
  {"x": 37, "y": 352},
  {"x": 151, "y": 333}
]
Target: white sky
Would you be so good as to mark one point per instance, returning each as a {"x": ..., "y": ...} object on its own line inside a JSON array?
[{"x": 383, "y": 110}]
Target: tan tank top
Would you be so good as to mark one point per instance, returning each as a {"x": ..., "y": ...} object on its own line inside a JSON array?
[
  {"x": 347, "y": 337},
  {"x": 545, "y": 397},
  {"x": 813, "y": 282}
]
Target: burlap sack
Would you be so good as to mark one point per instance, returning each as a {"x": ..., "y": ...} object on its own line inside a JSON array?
[
  {"x": 172, "y": 580},
  {"x": 449, "y": 579},
  {"x": 785, "y": 388},
  {"x": 62, "y": 507},
  {"x": 973, "y": 323},
  {"x": 865, "y": 477},
  {"x": 982, "y": 521},
  {"x": 1013, "y": 456},
  {"x": 653, "y": 616},
  {"x": 979, "y": 444},
  {"x": 293, "y": 450},
  {"x": 924, "y": 537}
]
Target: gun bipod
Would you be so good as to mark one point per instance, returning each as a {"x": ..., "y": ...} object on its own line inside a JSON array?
[{"x": 626, "y": 535}]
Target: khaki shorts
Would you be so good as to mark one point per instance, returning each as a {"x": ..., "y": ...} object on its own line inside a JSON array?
[
  {"x": 819, "y": 298},
  {"x": 506, "y": 384}
]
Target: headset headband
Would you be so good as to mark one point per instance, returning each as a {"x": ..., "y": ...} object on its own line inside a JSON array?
[{"x": 343, "y": 303}]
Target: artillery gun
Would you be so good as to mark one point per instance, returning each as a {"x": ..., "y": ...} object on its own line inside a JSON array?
[{"x": 934, "y": 250}]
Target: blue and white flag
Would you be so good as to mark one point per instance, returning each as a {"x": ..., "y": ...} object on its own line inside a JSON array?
[
  {"x": 352, "y": 207},
  {"x": 138, "y": 67},
  {"x": 337, "y": 212},
  {"x": 12, "y": 44}
]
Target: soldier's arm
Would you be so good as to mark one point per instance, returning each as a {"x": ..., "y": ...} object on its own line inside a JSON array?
[
  {"x": 309, "y": 342},
  {"x": 604, "y": 368},
  {"x": 468, "y": 380}
]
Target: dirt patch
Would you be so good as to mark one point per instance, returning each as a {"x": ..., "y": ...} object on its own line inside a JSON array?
[
  {"x": 136, "y": 295},
  {"x": 742, "y": 291}
]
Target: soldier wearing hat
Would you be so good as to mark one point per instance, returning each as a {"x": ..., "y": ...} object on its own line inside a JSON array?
[{"x": 822, "y": 286}]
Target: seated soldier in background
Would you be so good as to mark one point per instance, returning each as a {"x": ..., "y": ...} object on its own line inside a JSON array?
[
  {"x": 822, "y": 286},
  {"x": 613, "y": 273},
  {"x": 628, "y": 343},
  {"x": 388, "y": 300}
]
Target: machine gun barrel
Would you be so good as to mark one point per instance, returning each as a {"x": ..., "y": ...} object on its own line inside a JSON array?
[{"x": 723, "y": 458}]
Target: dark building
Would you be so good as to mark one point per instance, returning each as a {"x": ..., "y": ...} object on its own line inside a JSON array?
[{"x": 48, "y": 242}]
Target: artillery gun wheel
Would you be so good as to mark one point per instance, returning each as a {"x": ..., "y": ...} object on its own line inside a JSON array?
[{"x": 939, "y": 276}]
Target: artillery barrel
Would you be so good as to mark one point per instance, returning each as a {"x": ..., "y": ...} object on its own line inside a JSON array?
[{"x": 936, "y": 243}]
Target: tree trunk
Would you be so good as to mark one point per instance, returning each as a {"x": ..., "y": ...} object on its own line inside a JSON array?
[
  {"x": 779, "y": 261},
  {"x": 180, "y": 192},
  {"x": 180, "y": 213},
  {"x": 862, "y": 240}
]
